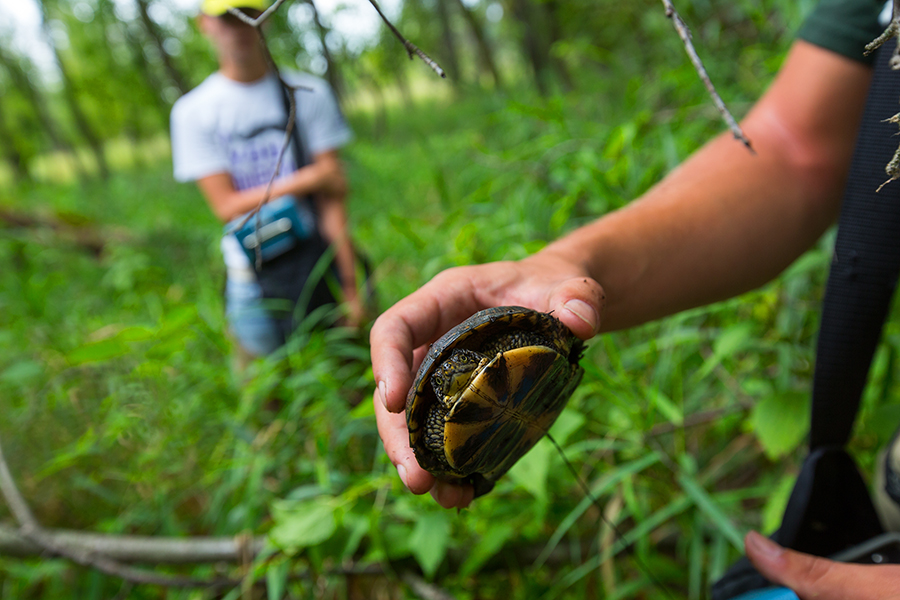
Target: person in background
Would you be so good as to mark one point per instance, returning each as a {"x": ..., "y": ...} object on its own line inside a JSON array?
[
  {"x": 227, "y": 134},
  {"x": 724, "y": 222}
]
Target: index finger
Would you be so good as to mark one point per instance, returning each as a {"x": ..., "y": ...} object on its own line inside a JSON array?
[{"x": 411, "y": 323}]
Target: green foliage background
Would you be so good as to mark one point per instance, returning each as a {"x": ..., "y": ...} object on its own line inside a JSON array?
[{"x": 121, "y": 413}]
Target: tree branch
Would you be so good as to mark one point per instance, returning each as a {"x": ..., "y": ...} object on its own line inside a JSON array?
[
  {"x": 132, "y": 548},
  {"x": 410, "y": 47},
  {"x": 31, "y": 531},
  {"x": 685, "y": 35},
  {"x": 893, "y": 29},
  {"x": 423, "y": 589}
]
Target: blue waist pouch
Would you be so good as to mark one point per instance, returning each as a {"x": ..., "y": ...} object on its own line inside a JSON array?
[{"x": 279, "y": 226}]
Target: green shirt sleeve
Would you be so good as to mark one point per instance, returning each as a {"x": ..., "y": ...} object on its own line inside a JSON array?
[{"x": 844, "y": 26}]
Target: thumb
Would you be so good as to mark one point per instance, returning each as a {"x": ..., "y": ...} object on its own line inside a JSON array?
[
  {"x": 578, "y": 303},
  {"x": 820, "y": 578}
]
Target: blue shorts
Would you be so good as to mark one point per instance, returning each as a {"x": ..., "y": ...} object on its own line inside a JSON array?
[{"x": 247, "y": 317}]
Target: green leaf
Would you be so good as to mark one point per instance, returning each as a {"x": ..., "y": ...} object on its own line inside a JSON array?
[
  {"x": 276, "y": 579},
  {"x": 532, "y": 469},
  {"x": 567, "y": 423},
  {"x": 781, "y": 422},
  {"x": 302, "y": 524},
  {"x": 729, "y": 342},
  {"x": 429, "y": 540},
  {"x": 605, "y": 483},
  {"x": 22, "y": 372},
  {"x": 669, "y": 409},
  {"x": 488, "y": 545},
  {"x": 136, "y": 334},
  {"x": 708, "y": 507},
  {"x": 363, "y": 410},
  {"x": 101, "y": 351},
  {"x": 777, "y": 501}
]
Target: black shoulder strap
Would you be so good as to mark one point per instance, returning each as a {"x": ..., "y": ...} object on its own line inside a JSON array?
[
  {"x": 863, "y": 270},
  {"x": 829, "y": 508}
]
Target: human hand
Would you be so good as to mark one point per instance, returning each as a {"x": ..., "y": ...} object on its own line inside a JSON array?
[
  {"x": 811, "y": 577},
  {"x": 401, "y": 335}
]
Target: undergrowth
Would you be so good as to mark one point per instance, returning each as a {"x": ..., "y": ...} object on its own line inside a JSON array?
[{"x": 122, "y": 413}]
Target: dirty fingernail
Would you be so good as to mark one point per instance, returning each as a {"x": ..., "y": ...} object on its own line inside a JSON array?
[{"x": 583, "y": 311}]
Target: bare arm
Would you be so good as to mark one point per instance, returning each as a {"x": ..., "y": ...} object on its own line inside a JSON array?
[
  {"x": 727, "y": 221},
  {"x": 324, "y": 175},
  {"x": 724, "y": 222},
  {"x": 334, "y": 226}
]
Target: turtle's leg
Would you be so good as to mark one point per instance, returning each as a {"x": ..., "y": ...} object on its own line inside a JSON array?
[{"x": 434, "y": 433}]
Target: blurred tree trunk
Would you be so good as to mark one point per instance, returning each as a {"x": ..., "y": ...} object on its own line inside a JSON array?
[
  {"x": 332, "y": 73},
  {"x": 554, "y": 31},
  {"x": 448, "y": 54},
  {"x": 11, "y": 152},
  {"x": 143, "y": 66},
  {"x": 82, "y": 123},
  {"x": 38, "y": 104},
  {"x": 119, "y": 42},
  {"x": 533, "y": 46},
  {"x": 484, "y": 48},
  {"x": 156, "y": 37}
]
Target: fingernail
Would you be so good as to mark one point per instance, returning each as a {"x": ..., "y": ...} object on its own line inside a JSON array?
[
  {"x": 401, "y": 471},
  {"x": 583, "y": 311},
  {"x": 764, "y": 545},
  {"x": 382, "y": 391}
]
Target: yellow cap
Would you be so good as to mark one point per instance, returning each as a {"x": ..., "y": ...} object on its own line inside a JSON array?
[{"x": 215, "y": 8}]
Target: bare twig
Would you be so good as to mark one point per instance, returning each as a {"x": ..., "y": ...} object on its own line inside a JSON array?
[
  {"x": 697, "y": 419},
  {"x": 893, "y": 167},
  {"x": 685, "y": 35},
  {"x": 410, "y": 47},
  {"x": 87, "y": 236},
  {"x": 30, "y": 530},
  {"x": 258, "y": 20},
  {"x": 893, "y": 29},
  {"x": 425, "y": 590},
  {"x": 608, "y": 541},
  {"x": 138, "y": 548},
  {"x": 14, "y": 499}
]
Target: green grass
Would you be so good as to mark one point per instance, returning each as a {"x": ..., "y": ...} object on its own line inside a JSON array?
[{"x": 121, "y": 413}]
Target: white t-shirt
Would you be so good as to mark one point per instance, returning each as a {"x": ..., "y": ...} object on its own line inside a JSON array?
[{"x": 238, "y": 128}]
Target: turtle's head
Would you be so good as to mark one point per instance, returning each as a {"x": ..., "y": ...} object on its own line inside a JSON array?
[{"x": 454, "y": 374}]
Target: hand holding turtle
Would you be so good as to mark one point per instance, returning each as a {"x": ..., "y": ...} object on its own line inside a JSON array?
[{"x": 401, "y": 335}]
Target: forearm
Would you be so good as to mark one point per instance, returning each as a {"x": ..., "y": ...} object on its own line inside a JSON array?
[
  {"x": 334, "y": 227},
  {"x": 729, "y": 220},
  {"x": 323, "y": 176}
]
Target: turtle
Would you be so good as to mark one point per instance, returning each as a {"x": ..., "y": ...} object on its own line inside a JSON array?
[{"x": 488, "y": 390}]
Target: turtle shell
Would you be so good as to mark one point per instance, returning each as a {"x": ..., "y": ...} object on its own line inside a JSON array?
[{"x": 488, "y": 390}]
